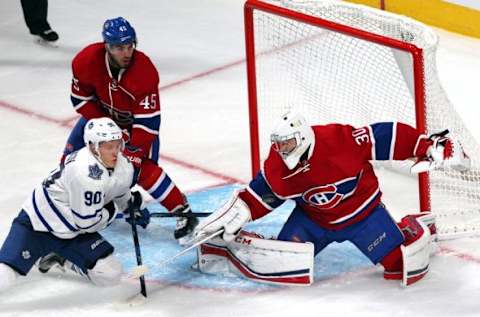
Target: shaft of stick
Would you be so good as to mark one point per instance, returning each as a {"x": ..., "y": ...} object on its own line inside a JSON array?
[
  {"x": 194, "y": 245},
  {"x": 138, "y": 254},
  {"x": 169, "y": 215}
]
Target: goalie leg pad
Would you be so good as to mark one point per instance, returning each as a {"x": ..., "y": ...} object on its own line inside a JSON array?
[
  {"x": 262, "y": 260},
  {"x": 394, "y": 261},
  {"x": 429, "y": 219},
  {"x": 415, "y": 250}
]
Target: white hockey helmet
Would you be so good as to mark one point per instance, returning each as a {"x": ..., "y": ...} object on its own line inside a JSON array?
[
  {"x": 293, "y": 125},
  {"x": 101, "y": 130}
]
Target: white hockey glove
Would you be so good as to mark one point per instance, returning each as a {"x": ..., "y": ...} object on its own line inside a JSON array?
[
  {"x": 444, "y": 152},
  {"x": 231, "y": 217}
]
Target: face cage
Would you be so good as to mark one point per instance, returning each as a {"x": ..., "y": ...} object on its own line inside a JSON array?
[{"x": 275, "y": 139}]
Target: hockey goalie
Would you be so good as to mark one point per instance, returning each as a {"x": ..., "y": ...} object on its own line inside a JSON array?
[{"x": 326, "y": 171}]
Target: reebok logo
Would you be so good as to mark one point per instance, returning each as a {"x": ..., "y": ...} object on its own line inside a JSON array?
[{"x": 97, "y": 243}]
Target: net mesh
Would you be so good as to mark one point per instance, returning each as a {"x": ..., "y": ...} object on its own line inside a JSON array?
[{"x": 336, "y": 77}]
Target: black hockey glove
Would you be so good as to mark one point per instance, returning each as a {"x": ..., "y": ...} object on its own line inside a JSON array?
[{"x": 142, "y": 216}]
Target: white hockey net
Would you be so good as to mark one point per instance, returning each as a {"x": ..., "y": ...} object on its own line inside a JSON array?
[{"x": 334, "y": 76}]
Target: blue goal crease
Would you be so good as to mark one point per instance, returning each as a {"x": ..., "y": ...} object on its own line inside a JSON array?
[{"x": 157, "y": 244}]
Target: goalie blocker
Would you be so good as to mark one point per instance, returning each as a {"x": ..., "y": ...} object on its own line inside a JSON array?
[{"x": 262, "y": 260}]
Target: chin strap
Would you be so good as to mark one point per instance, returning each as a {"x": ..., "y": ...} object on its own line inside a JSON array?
[{"x": 306, "y": 155}]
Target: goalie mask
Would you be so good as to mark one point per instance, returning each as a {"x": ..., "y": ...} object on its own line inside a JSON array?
[{"x": 291, "y": 137}]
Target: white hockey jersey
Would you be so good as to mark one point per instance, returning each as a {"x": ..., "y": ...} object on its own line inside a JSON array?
[{"x": 71, "y": 200}]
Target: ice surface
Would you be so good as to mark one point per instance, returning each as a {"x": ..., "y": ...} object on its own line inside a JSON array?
[{"x": 198, "y": 47}]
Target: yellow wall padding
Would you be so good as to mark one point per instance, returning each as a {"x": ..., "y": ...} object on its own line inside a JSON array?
[
  {"x": 438, "y": 13},
  {"x": 370, "y": 3}
]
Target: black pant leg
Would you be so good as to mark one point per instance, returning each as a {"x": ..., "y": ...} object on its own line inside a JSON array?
[{"x": 35, "y": 13}]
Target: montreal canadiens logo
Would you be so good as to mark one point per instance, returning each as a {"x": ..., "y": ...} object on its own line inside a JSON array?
[{"x": 329, "y": 196}]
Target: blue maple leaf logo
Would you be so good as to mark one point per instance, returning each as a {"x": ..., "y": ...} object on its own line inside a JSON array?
[{"x": 94, "y": 171}]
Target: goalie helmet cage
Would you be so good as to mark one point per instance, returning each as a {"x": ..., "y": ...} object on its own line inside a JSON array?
[{"x": 351, "y": 64}]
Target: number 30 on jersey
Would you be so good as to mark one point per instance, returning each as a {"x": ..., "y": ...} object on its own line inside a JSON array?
[{"x": 361, "y": 135}]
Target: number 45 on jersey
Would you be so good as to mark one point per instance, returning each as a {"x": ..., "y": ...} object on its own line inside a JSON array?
[{"x": 149, "y": 102}]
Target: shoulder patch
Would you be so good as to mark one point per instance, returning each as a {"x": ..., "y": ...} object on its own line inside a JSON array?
[{"x": 94, "y": 171}]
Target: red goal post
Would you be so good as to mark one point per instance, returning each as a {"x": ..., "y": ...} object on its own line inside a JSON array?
[{"x": 340, "y": 62}]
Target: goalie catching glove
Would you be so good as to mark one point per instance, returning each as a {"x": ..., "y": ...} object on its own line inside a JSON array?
[
  {"x": 444, "y": 152},
  {"x": 231, "y": 217}
]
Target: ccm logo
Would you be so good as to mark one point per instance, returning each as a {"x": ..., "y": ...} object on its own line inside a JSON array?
[
  {"x": 243, "y": 240},
  {"x": 376, "y": 242}
]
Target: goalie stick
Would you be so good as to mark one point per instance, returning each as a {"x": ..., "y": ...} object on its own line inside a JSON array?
[
  {"x": 170, "y": 215},
  {"x": 193, "y": 244}
]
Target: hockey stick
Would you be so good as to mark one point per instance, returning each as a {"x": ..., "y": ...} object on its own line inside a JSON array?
[
  {"x": 170, "y": 215},
  {"x": 194, "y": 243},
  {"x": 190, "y": 214},
  {"x": 132, "y": 209}
]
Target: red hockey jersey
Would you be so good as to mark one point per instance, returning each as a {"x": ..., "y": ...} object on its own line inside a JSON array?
[
  {"x": 131, "y": 100},
  {"x": 336, "y": 186}
]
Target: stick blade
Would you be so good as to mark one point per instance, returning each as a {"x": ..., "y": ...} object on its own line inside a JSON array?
[
  {"x": 136, "y": 300},
  {"x": 133, "y": 301}
]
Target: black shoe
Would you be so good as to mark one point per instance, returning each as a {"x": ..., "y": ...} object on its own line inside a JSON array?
[
  {"x": 48, "y": 35},
  {"x": 51, "y": 260},
  {"x": 186, "y": 222}
]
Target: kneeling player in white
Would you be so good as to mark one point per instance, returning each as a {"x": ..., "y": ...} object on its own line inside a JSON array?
[
  {"x": 63, "y": 215},
  {"x": 326, "y": 170}
]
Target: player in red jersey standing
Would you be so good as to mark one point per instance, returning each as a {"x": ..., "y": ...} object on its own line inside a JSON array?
[
  {"x": 326, "y": 170},
  {"x": 114, "y": 79}
]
